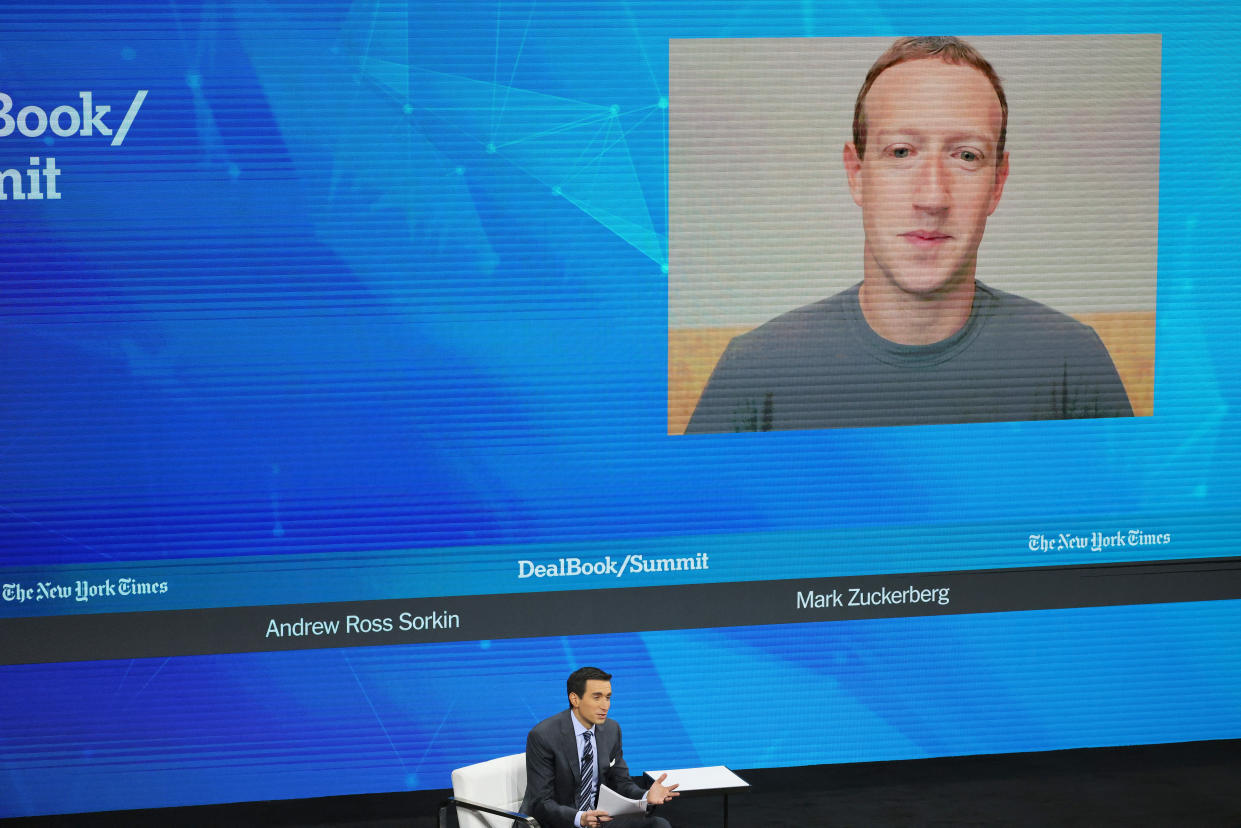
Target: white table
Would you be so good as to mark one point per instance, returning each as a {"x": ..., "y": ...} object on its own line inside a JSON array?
[{"x": 716, "y": 779}]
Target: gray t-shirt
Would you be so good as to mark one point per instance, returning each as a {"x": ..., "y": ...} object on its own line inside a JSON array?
[{"x": 821, "y": 366}]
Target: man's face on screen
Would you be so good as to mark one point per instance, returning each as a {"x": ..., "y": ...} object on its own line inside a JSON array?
[
  {"x": 929, "y": 178},
  {"x": 591, "y": 708}
]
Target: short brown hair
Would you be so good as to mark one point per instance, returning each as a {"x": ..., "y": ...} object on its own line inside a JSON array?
[{"x": 948, "y": 49}]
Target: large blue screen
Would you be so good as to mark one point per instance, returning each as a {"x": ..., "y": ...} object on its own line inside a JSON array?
[{"x": 362, "y": 311}]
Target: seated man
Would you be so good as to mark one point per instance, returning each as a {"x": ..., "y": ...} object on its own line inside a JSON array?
[
  {"x": 571, "y": 754},
  {"x": 919, "y": 340}
]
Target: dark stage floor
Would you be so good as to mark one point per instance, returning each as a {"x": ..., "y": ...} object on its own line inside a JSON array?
[{"x": 1194, "y": 784}]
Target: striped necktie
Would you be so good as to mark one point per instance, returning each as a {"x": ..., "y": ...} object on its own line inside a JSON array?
[{"x": 586, "y": 791}]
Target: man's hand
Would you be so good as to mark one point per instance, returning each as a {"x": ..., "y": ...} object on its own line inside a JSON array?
[
  {"x": 590, "y": 819},
  {"x": 659, "y": 792}
]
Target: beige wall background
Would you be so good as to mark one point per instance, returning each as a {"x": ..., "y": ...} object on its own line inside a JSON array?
[{"x": 761, "y": 220}]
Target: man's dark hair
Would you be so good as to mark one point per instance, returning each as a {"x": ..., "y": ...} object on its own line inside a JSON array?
[
  {"x": 948, "y": 49},
  {"x": 578, "y": 678}
]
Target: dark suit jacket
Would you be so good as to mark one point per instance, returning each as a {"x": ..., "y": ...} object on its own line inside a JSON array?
[{"x": 553, "y": 771}]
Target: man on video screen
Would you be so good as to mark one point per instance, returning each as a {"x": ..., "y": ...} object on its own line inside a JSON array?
[{"x": 919, "y": 340}]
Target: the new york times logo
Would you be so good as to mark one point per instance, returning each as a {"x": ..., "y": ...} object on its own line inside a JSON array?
[{"x": 84, "y": 119}]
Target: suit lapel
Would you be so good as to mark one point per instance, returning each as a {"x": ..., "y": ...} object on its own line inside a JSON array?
[
  {"x": 603, "y": 748},
  {"x": 568, "y": 743}
]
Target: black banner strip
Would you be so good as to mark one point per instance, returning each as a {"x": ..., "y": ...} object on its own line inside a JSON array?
[{"x": 157, "y": 633}]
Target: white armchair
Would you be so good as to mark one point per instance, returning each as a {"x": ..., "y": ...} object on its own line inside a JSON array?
[{"x": 488, "y": 794}]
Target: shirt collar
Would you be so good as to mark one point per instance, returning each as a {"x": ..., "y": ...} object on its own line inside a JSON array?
[{"x": 579, "y": 728}]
